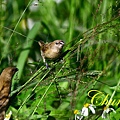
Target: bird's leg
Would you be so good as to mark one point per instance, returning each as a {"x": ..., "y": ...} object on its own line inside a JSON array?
[
  {"x": 47, "y": 66},
  {"x": 43, "y": 57}
]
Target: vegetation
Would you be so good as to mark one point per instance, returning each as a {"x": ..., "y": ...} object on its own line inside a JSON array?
[{"x": 91, "y": 32}]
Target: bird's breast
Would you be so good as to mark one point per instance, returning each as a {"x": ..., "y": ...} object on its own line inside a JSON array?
[{"x": 52, "y": 54}]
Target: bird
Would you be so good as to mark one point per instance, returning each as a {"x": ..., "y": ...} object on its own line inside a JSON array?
[
  {"x": 51, "y": 50},
  {"x": 5, "y": 89}
]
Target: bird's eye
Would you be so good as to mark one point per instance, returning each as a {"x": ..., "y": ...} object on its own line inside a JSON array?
[
  {"x": 56, "y": 43},
  {"x": 14, "y": 70}
]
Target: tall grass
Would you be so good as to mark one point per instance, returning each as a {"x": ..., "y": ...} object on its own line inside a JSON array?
[{"x": 91, "y": 31}]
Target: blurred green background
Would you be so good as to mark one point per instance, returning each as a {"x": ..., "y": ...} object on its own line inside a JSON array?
[{"x": 91, "y": 32}]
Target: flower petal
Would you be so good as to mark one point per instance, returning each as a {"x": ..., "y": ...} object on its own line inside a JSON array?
[
  {"x": 84, "y": 111},
  {"x": 104, "y": 114},
  {"x": 92, "y": 109},
  {"x": 110, "y": 109},
  {"x": 107, "y": 110},
  {"x": 79, "y": 117}
]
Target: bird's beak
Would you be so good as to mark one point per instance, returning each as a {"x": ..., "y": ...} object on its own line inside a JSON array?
[
  {"x": 16, "y": 69},
  {"x": 62, "y": 42}
]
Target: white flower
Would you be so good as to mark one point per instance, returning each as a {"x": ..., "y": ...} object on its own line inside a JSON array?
[
  {"x": 77, "y": 115},
  {"x": 84, "y": 111},
  {"x": 106, "y": 111},
  {"x": 7, "y": 117}
]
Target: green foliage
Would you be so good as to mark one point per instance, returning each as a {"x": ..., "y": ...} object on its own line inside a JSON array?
[{"x": 91, "y": 31}]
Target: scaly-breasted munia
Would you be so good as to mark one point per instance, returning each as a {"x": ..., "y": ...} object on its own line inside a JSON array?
[
  {"x": 51, "y": 50},
  {"x": 5, "y": 88}
]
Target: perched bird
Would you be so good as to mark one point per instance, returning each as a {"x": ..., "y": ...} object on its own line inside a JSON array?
[
  {"x": 5, "y": 88},
  {"x": 51, "y": 50}
]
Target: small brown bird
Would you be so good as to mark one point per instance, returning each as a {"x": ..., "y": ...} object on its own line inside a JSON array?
[
  {"x": 51, "y": 50},
  {"x": 5, "y": 88}
]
